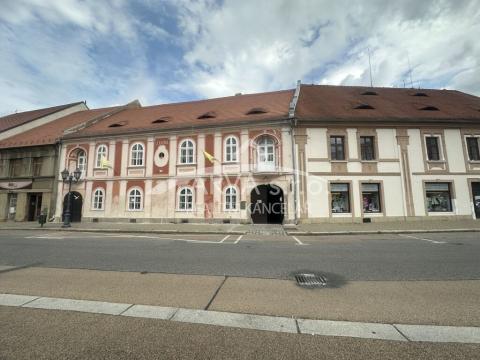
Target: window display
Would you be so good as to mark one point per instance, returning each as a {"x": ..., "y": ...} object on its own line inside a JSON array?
[
  {"x": 340, "y": 198},
  {"x": 438, "y": 197},
  {"x": 371, "y": 198}
]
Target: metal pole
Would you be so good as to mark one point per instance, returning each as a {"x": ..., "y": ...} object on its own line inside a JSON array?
[{"x": 66, "y": 218}]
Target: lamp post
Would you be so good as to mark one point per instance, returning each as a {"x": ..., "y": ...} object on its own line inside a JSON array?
[{"x": 68, "y": 178}]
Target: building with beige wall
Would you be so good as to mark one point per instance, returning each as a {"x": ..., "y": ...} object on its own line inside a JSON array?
[
  {"x": 29, "y": 153},
  {"x": 376, "y": 154}
]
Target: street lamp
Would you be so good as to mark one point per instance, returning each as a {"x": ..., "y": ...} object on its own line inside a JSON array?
[{"x": 68, "y": 178}]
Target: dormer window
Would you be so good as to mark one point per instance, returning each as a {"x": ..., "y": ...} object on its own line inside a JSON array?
[
  {"x": 208, "y": 115},
  {"x": 119, "y": 124},
  {"x": 429, "y": 108},
  {"x": 256, "y": 111},
  {"x": 161, "y": 120},
  {"x": 364, "y": 107}
]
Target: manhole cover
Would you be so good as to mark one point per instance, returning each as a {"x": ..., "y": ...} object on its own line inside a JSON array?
[{"x": 311, "y": 280}]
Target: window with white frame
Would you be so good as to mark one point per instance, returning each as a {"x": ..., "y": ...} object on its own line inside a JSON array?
[
  {"x": 135, "y": 201},
  {"x": 136, "y": 158},
  {"x": 98, "y": 199},
  {"x": 185, "y": 199},
  {"x": 433, "y": 148},
  {"x": 266, "y": 153},
  {"x": 231, "y": 149},
  {"x": 473, "y": 148},
  {"x": 82, "y": 161},
  {"x": 101, "y": 154},
  {"x": 230, "y": 198},
  {"x": 187, "y": 152}
]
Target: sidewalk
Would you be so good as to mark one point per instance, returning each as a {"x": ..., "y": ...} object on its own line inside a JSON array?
[
  {"x": 444, "y": 303},
  {"x": 300, "y": 229}
]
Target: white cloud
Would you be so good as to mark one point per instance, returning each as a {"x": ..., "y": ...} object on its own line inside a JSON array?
[{"x": 257, "y": 46}]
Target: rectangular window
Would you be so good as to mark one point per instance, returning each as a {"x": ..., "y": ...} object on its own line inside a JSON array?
[
  {"x": 367, "y": 147},
  {"x": 438, "y": 197},
  {"x": 337, "y": 148},
  {"x": 16, "y": 167},
  {"x": 433, "y": 150},
  {"x": 340, "y": 198},
  {"x": 37, "y": 166},
  {"x": 472, "y": 147},
  {"x": 371, "y": 198}
]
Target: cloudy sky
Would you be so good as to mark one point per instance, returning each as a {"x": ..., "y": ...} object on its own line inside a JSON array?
[{"x": 111, "y": 52}]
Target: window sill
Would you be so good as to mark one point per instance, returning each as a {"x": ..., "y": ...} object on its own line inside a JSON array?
[
  {"x": 184, "y": 211},
  {"x": 341, "y": 213},
  {"x": 230, "y": 163},
  {"x": 136, "y": 167},
  {"x": 338, "y": 161},
  {"x": 475, "y": 162},
  {"x": 131, "y": 210},
  {"x": 231, "y": 210},
  {"x": 97, "y": 209},
  {"x": 186, "y": 164},
  {"x": 436, "y": 161},
  {"x": 369, "y": 161}
]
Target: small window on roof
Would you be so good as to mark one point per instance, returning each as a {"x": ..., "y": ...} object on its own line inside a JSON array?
[
  {"x": 208, "y": 115},
  {"x": 163, "y": 119},
  {"x": 256, "y": 110},
  {"x": 420, "y": 94},
  {"x": 364, "y": 106},
  {"x": 429, "y": 108},
  {"x": 119, "y": 124},
  {"x": 369, "y": 92}
]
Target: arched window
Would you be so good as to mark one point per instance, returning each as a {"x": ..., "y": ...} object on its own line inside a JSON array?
[
  {"x": 101, "y": 154},
  {"x": 231, "y": 149},
  {"x": 136, "y": 157},
  {"x": 230, "y": 198},
  {"x": 266, "y": 153},
  {"x": 98, "y": 199},
  {"x": 135, "y": 201},
  {"x": 185, "y": 199},
  {"x": 82, "y": 161},
  {"x": 187, "y": 152}
]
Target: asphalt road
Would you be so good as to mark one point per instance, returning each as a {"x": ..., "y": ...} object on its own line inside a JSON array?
[{"x": 368, "y": 257}]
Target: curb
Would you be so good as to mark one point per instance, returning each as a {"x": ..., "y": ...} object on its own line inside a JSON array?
[
  {"x": 139, "y": 231},
  {"x": 372, "y": 232}
]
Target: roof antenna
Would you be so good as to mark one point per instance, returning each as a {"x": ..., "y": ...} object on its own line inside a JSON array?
[
  {"x": 410, "y": 71},
  {"x": 370, "y": 66}
]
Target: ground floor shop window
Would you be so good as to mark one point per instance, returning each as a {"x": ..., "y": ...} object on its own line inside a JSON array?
[
  {"x": 439, "y": 197},
  {"x": 371, "y": 198},
  {"x": 340, "y": 198}
]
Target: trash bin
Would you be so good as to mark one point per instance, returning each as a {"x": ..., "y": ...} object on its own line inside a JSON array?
[{"x": 42, "y": 219}]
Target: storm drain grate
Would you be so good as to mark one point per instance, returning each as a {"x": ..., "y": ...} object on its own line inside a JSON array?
[{"x": 311, "y": 280}]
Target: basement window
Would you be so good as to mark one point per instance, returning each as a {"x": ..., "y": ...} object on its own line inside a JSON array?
[
  {"x": 208, "y": 115},
  {"x": 429, "y": 108},
  {"x": 369, "y": 92},
  {"x": 420, "y": 94},
  {"x": 256, "y": 111},
  {"x": 364, "y": 107}
]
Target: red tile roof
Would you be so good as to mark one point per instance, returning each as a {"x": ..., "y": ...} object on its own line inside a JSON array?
[
  {"x": 14, "y": 120},
  {"x": 219, "y": 111},
  {"x": 51, "y": 132},
  {"x": 347, "y": 103}
]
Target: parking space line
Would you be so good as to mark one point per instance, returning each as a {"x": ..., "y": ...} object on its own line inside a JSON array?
[
  {"x": 423, "y": 239},
  {"x": 225, "y": 238},
  {"x": 238, "y": 239},
  {"x": 298, "y": 241}
]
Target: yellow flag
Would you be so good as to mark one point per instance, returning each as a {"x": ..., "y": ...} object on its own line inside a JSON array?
[
  {"x": 104, "y": 163},
  {"x": 209, "y": 157}
]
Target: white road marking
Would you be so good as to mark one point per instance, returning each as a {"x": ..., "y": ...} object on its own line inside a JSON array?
[
  {"x": 298, "y": 241},
  {"x": 426, "y": 333},
  {"x": 238, "y": 239},
  {"x": 225, "y": 238},
  {"x": 44, "y": 237},
  {"x": 423, "y": 239}
]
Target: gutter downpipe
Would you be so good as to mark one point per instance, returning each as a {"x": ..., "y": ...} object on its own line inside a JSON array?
[{"x": 293, "y": 124}]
